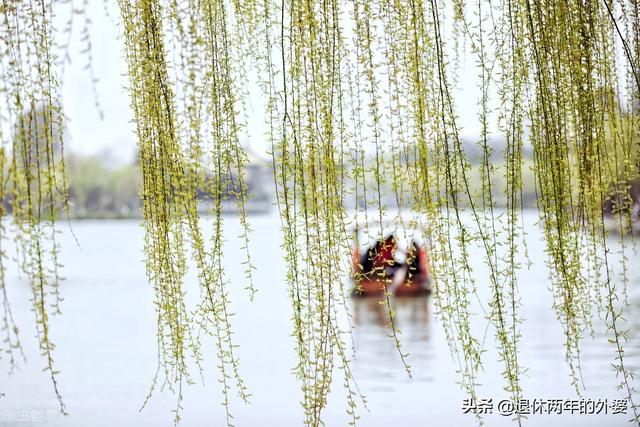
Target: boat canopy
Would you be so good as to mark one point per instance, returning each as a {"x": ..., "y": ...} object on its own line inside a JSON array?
[{"x": 406, "y": 230}]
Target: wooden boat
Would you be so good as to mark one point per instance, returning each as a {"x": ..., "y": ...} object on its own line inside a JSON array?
[{"x": 387, "y": 266}]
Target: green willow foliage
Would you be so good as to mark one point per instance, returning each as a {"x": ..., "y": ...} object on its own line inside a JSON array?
[
  {"x": 361, "y": 110},
  {"x": 173, "y": 165},
  {"x": 33, "y": 183}
]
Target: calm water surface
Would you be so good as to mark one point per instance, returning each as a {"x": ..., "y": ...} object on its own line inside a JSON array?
[{"x": 106, "y": 346}]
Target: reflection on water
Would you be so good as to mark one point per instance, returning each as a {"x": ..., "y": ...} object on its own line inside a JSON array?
[
  {"x": 377, "y": 357},
  {"x": 409, "y": 311}
]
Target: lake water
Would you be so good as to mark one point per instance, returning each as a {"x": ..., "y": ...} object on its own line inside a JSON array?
[{"x": 106, "y": 346}]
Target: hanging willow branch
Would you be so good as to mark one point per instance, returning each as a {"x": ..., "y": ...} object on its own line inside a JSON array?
[
  {"x": 310, "y": 181},
  {"x": 173, "y": 172},
  {"x": 362, "y": 114},
  {"x": 33, "y": 184}
]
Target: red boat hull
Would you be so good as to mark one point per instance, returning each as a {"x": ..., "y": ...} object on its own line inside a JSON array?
[
  {"x": 376, "y": 285},
  {"x": 418, "y": 285}
]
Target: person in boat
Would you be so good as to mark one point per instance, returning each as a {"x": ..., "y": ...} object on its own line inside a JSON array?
[
  {"x": 386, "y": 266},
  {"x": 378, "y": 261},
  {"x": 413, "y": 273},
  {"x": 416, "y": 265}
]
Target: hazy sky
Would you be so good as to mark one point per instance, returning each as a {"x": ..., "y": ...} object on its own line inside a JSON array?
[
  {"x": 114, "y": 133},
  {"x": 88, "y": 132}
]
